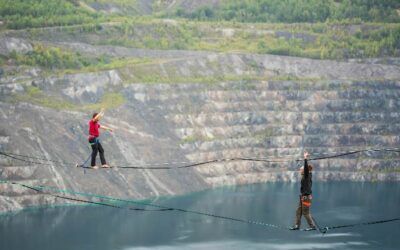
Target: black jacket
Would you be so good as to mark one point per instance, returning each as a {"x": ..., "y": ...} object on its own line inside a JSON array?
[{"x": 306, "y": 180}]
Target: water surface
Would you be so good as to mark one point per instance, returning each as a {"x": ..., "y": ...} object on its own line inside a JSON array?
[{"x": 100, "y": 228}]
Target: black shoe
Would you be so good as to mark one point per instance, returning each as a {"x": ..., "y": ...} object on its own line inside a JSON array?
[
  {"x": 310, "y": 229},
  {"x": 295, "y": 227}
]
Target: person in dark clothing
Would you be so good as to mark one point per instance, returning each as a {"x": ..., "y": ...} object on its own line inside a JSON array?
[
  {"x": 305, "y": 197},
  {"x": 94, "y": 141}
]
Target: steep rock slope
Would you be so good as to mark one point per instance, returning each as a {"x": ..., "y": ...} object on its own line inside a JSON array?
[{"x": 189, "y": 122}]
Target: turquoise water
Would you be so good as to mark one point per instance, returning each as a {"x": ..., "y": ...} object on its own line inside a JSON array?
[{"x": 99, "y": 228}]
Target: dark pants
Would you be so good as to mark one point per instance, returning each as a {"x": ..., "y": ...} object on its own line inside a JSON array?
[
  {"x": 304, "y": 209},
  {"x": 96, "y": 147}
]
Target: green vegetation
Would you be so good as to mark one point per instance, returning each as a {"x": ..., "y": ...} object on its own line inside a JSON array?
[
  {"x": 295, "y": 11},
  {"x": 336, "y": 30},
  {"x": 111, "y": 63},
  {"x": 67, "y": 62},
  {"x": 56, "y": 58},
  {"x": 3, "y": 60},
  {"x": 320, "y": 41},
  {"x": 336, "y": 42},
  {"x": 19, "y": 14},
  {"x": 35, "y": 96},
  {"x": 108, "y": 101},
  {"x": 196, "y": 138},
  {"x": 189, "y": 140},
  {"x": 264, "y": 134},
  {"x": 152, "y": 34},
  {"x": 156, "y": 77}
]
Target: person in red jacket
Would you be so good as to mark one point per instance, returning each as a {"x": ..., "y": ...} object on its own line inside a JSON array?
[
  {"x": 94, "y": 141},
  {"x": 305, "y": 196}
]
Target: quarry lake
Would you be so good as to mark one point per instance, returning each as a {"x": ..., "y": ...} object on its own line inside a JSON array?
[{"x": 335, "y": 203}]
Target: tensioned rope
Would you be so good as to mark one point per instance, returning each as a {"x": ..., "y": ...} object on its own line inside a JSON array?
[
  {"x": 44, "y": 161},
  {"x": 36, "y": 189},
  {"x": 158, "y": 166},
  {"x": 361, "y": 224},
  {"x": 43, "y": 189},
  {"x": 265, "y": 160}
]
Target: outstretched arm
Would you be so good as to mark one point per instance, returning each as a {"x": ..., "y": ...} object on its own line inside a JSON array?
[
  {"x": 106, "y": 128},
  {"x": 306, "y": 169}
]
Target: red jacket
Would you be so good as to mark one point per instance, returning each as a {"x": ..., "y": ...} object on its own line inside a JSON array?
[{"x": 94, "y": 129}]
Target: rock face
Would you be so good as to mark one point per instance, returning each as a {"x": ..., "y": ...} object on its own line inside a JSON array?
[
  {"x": 80, "y": 88},
  {"x": 278, "y": 119},
  {"x": 356, "y": 106},
  {"x": 10, "y": 44}
]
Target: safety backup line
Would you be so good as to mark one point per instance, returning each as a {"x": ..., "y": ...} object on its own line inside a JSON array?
[{"x": 43, "y": 189}]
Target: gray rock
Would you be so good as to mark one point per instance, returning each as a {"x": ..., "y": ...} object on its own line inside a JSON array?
[
  {"x": 10, "y": 44},
  {"x": 184, "y": 123},
  {"x": 7, "y": 89}
]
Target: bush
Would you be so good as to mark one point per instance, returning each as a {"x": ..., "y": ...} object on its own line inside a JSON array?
[
  {"x": 19, "y": 14},
  {"x": 56, "y": 58},
  {"x": 293, "y": 11}
]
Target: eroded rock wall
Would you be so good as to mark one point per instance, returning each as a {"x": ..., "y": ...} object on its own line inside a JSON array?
[{"x": 191, "y": 122}]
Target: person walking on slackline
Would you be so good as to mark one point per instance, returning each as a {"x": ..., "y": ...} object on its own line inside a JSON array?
[
  {"x": 305, "y": 196},
  {"x": 94, "y": 141}
]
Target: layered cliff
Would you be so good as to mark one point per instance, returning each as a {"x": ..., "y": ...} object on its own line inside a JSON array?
[
  {"x": 323, "y": 110},
  {"x": 174, "y": 107}
]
